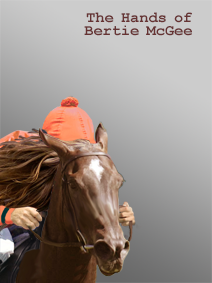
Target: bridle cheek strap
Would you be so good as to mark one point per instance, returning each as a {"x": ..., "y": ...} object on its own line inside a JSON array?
[{"x": 82, "y": 155}]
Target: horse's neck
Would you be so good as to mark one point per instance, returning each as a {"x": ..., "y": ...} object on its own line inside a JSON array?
[{"x": 58, "y": 225}]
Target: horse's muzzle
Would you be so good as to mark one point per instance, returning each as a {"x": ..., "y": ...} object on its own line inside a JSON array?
[{"x": 111, "y": 254}]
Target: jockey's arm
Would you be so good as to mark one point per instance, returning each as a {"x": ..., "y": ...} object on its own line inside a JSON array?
[{"x": 23, "y": 216}]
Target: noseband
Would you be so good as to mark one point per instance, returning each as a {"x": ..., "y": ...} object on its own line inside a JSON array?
[{"x": 82, "y": 242}]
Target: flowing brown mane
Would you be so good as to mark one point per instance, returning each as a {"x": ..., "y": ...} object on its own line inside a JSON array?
[{"x": 27, "y": 169}]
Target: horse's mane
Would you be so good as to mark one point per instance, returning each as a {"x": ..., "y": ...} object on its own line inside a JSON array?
[{"x": 27, "y": 169}]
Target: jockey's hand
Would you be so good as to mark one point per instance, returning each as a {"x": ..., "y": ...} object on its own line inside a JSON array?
[
  {"x": 26, "y": 216},
  {"x": 126, "y": 214}
]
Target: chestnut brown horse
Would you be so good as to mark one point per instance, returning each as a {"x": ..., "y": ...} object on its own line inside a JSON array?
[{"x": 82, "y": 226}]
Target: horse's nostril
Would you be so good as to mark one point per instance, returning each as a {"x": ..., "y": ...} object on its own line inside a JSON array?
[
  {"x": 127, "y": 245},
  {"x": 121, "y": 247},
  {"x": 103, "y": 250}
]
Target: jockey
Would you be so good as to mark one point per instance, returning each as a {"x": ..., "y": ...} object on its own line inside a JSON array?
[{"x": 66, "y": 122}]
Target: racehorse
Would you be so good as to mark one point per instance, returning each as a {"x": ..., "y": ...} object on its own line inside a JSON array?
[{"x": 82, "y": 226}]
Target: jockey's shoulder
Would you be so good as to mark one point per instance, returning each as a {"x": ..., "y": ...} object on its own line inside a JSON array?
[{"x": 15, "y": 135}]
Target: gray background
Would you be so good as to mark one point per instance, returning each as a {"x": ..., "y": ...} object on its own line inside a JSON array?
[{"x": 152, "y": 94}]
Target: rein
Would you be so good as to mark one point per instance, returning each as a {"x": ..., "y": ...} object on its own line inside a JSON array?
[{"x": 82, "y": 242}]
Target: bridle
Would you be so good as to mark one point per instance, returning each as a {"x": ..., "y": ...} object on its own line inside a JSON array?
[{"x": 82, "y": 242}]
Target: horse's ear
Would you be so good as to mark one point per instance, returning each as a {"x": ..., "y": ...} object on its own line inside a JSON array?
[
  {"x": 101, "y": 137},
  {"x": 54, "y": 143}
]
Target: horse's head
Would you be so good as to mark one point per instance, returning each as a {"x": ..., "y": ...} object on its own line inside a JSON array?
[{"x": 91, "y": 185}]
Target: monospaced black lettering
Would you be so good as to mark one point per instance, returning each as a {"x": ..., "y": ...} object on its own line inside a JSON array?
[
  {"x": 125, "y": 31},
  {"x": 98, "y": 31},
  {"x": 141, "y": 18},
  {"x": 99, "y": 16},
  {"x": 125, "y": 17},
  {"x": 178, "y": 18},
  {"x": 188, "y": 31},
  {"x": 162, "y": 18},
  {"x": 187, "y": 16},
  {"x": 151, "y": 31},
  {"x": 90, "y": 15},
  {"x": 109, "y": 19},
  {"x": 134, "y": 31},
  {"x": 154, "y": 18},
  {"x": 178, "y": 31},
  {"x": 106, "y": 30},
  {"x": 170, "y": 30},
  {"x": 88, "y": 30},
  {"x": 162, "y": 29},
  {"x": 134, "y": 19},
  {"x": 115, "y": 29}
]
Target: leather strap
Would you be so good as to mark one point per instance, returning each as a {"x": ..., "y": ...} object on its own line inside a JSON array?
[
  {"x": 72, "y": 244},
  {"x": 82, "y": 155},
  {"x": 4, "y": 225},
  {"x": 130, "y": 227},
  {"x": 60, "y": 245}
]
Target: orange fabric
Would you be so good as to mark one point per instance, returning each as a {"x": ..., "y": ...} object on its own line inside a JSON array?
[
  {"x": 8, "y": 215},
  {"x": 14, "y": 135},
  {"x": 11, "y": 137},
  {"x": 69, "y": 122}
]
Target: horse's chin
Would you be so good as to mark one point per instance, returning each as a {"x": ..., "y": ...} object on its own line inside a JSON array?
[
  {"x": 106, "y": 273},
  {"x": 109, "y": 272}
]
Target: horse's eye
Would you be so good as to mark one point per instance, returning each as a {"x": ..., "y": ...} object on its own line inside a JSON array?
[
  {"x": 73, "y": 186},
  {"x": 72, "y": 183},
  {"x": 70, "y": 177}
]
